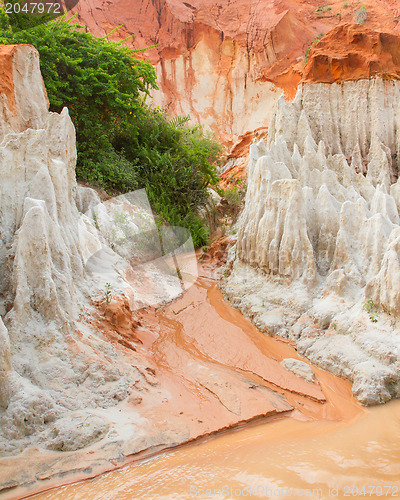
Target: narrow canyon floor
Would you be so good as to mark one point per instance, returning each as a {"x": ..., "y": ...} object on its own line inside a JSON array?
[{"x": 307, "y": 435}]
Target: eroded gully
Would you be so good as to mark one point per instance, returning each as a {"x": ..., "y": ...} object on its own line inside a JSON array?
[{"x": 326, "y": 446}]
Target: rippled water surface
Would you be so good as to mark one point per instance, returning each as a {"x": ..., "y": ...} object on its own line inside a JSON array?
[{"x": 279, "y": 459}]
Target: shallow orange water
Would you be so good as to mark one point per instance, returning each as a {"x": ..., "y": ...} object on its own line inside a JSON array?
[
  {"x": 338, "y": 451},
  {"x": 273, "y": 460}
]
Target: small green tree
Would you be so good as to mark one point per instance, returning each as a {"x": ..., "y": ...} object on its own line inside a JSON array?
[{"x": 100, "y": 82}]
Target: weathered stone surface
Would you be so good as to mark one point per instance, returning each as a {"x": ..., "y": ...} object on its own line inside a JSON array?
[
  {"x": 321, "y": 222},
  {"x": 42, "y": 265},
  {"x": 81, "y": 370},
  {"x": 299, "y": 368},
  {"x": 75, "y": 432},
  {"x": 353, "y": 52},
  {"x": 227, "y": 61}
]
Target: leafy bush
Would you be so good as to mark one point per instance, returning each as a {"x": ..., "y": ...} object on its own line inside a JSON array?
[
  {"x": 234, "y": 196},
  {"x": 112, "y": 172},
  {"x": 99, "y": 81},
  {"x": 122, "y": 143},
  {"x": 369, "y": 306}
]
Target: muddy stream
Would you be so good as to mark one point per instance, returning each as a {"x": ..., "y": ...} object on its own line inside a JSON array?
[{"x": 329, "y": 448}]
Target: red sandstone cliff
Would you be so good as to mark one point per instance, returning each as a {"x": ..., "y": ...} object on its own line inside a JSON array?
[
  {"x": 227, "y": 61},
  {"x": 347, "y": 52},
  {"x": 352, "y": 52}
]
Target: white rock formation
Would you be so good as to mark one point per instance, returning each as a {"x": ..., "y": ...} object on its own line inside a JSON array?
[
  {"x": 42, "y": 268},
  {"x": 318, "y": 251},
  {"x": 54, "y": 368},
  {"x": 299, "y": 368}
]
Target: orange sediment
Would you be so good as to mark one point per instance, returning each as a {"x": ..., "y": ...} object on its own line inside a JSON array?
[{"x": 193, "y": 341}]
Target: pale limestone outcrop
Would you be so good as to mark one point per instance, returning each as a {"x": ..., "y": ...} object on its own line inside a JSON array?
[
  {"x": 299, "y": 368},
  {"x": 42, "y": 265},
  {"x": 319, "y": 239},
  {"x": 23, "y": 99}
]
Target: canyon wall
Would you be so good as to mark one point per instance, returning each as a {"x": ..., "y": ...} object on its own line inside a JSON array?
[
  {"x": 91, "y": 373},
  {"x": 48, "y": 371},
  {"x": 317, "y": 255},
  {"x": 227, "y": 62}
]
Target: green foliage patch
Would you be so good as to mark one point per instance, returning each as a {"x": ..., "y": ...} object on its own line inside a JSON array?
[
  {"x": 369, "y": 306},
  {"x": 122, "y": 143}
]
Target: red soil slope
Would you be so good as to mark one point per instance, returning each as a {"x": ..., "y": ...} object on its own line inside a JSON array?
[{"x": 352, "y": 52}]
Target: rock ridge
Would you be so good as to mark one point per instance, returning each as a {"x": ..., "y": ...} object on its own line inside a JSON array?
[
  {"x": 317, "y": 253},
  {"x": 353, "y": 52}
]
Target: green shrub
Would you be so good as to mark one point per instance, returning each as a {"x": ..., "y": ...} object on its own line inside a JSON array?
[
  {"x": 369, "y": 306},
  {"x": 323, "y": 8},
  {"x": 122, "y": 144},
  {"x": 101, "y": 82},
  {"x": 112, "y": 172},
  {"x": 108, "y": 293},
  {"x": 236, "y": 194},
  {"x": 175, "y": 162}
]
